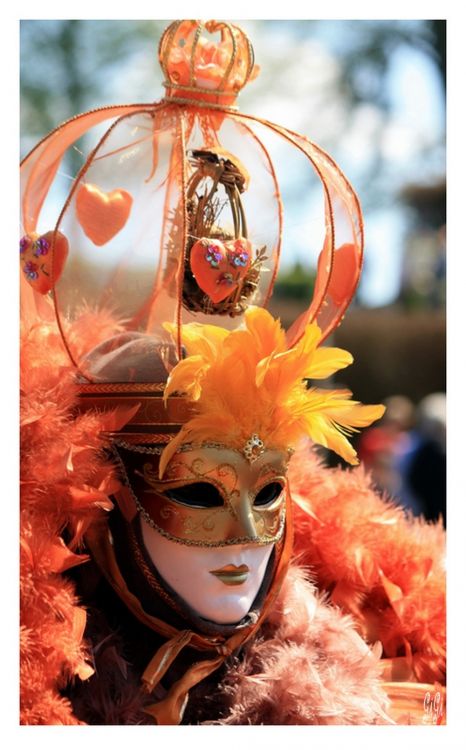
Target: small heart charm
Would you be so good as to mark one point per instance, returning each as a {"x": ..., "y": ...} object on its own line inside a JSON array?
[
  {"x": 35, "y": 252},
  {"x": 219, "y": 267},
  {"x": 102, "y": 215}
]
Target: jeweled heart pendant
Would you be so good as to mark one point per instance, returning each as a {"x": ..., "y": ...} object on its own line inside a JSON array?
[
  {"x": 220, "y": 267},
  {"x": 102, "y": 215},
  {"x": 35, "y": 251}
]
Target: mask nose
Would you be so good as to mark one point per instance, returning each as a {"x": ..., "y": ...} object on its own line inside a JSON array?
[{"x": 245, "y": 517}]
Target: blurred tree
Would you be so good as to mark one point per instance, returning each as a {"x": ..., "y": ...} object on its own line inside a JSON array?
[
  {"x": 74, "y": 61},
  {"x": 294, "y": 283},
  {"x": 68, "y": 67}
]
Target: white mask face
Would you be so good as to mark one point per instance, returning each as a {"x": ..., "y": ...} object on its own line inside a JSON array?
[{"x": 219, "y": 583}]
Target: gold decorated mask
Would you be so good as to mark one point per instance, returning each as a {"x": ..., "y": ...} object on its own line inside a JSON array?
[{"x": 211, "y": 496}]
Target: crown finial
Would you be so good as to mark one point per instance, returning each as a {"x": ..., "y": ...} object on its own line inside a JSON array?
[{"x": 201, "y": 69}]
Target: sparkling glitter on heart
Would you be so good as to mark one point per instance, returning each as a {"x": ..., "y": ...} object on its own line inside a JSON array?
[
  {"x": 40, "y": 269},
  {"x": 239, "y": 259},
  {"x": 41, "y": 246},
  {"x": 213, "y": 256},
  {"x": 24, "y": 244},
  {"x": 30, "y": 270}
]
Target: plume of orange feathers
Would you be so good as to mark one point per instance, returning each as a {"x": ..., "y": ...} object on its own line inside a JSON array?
[{"x": 248, "y": 382}]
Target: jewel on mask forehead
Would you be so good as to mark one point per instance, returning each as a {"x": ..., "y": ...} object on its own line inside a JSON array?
[{"x": 253, "y": 448}]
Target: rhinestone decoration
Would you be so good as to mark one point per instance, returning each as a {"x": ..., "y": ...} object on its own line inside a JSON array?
[
  {"x": 41, "y": 247},
  {"x": 24, "y": 244},
  {"x": 253, "y": 448},
  {"x": 213, "y": 256},
  {"x": 239, "y": 259},
  {"x": 30, "y": 269}
]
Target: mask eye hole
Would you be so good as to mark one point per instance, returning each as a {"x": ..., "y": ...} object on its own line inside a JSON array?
[
  {"x": 268, "y": 494},
  {"x": 197, "y": 495}
]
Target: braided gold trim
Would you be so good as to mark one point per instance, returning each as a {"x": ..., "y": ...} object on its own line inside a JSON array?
[
  {"x": 140, "y": 438},
  {"x": 238, "y": 38},
  {"x": 128, "y": 388},
  {"x": 193, "y": 543},
  {"x": 195, "y": 103},
  {"x": 147, "y": 573},
  {"x": 197, "y": 35},
  {"x": 199, "y": 89},
  {"x": 157, "y": 450},
  {"x": 233, "y": 54},
  {"x": 165, "y": 44}
]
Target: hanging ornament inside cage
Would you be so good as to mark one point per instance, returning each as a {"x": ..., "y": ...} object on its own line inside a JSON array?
[{"x": 222, "y": 268}]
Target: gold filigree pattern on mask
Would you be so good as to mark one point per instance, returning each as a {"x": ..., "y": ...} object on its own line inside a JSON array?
[{"x": 235, "y": 520}]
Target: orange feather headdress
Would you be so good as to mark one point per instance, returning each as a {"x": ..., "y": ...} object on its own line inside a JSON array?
[{"x": 248, "y": 383}]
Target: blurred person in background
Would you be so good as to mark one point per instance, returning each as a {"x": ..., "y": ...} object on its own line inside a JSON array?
[
  {"x": 424, "y": 467},
  {"x": 382, "y": 446},
  {"x": 406, "y": 454}
]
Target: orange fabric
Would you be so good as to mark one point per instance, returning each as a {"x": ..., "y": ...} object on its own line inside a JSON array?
[
  {"x": 102, "y": 215},
  {"x": 66, "y": 481},
  {"x": 339, "y": 198}
]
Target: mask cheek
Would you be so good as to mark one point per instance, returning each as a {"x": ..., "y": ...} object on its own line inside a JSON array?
[{"x": 187, "y": 571}]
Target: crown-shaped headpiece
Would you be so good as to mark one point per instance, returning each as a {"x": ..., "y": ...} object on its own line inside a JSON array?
[{"x": 198, "y": 68}]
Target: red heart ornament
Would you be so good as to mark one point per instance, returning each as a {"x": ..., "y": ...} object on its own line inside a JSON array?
[
  {"x": 219, "y": 267},
  {"x": 102, "y": 215},
  {"x": 35, "y": 251}
]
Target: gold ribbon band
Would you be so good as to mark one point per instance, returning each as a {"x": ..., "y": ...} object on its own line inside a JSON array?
[
  {"x": 152, "y": 409},
  {"x": 163, "y": 658},
  {"x": 200, "y": 103}
]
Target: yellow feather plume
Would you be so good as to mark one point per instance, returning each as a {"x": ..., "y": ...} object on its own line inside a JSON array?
[{"x": 248, "y": 382}]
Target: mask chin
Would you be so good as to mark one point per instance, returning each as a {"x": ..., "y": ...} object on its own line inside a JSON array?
[{"x": 220, "y": 584}]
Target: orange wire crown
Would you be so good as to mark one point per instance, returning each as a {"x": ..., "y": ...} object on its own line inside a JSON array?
[{"x": 202, "y": 69}]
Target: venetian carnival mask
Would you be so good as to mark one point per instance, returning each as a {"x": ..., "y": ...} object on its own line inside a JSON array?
[
  {"x": 211, "y": 524},
  {"x": 162, "y": 259}
]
